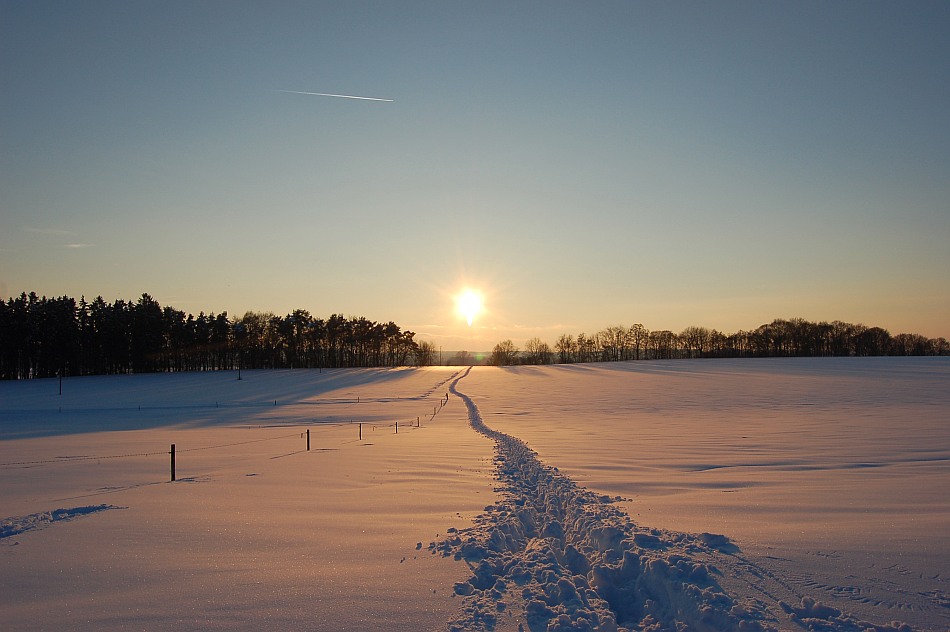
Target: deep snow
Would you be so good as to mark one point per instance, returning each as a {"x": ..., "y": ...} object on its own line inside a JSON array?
[{"x": 728, "y": 494}]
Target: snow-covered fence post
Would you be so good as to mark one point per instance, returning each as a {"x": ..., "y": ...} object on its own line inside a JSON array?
[{"x": 173, "y": 462}]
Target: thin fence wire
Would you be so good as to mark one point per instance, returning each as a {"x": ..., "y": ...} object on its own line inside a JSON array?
[
  {"x": 228, "y": 445},
  {"x": 372, "y": 425},
  {"x": 271, "y": 403},
  {"x": 70, "y": 459}
]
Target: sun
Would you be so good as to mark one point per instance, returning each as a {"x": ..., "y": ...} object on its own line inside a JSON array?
[{"x": 468, "y": 303}]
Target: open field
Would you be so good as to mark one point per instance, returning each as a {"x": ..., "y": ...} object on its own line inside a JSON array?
[{"x": 796, "y": 491}]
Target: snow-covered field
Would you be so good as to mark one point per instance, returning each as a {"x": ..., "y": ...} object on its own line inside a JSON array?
[{"x": 752, "y": 494}]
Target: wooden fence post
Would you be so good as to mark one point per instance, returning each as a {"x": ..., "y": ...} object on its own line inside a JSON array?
[
  {"x": 173, "y": 462},
  {"x": 361, "y": 432},
  {"x": 308, "y": 439}
]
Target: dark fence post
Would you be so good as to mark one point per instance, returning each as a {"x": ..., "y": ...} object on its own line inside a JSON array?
[
  {"x": 173, "y": 462},
  {"x": 308, "y": 439},
  {"x": 361, "y": 432}
]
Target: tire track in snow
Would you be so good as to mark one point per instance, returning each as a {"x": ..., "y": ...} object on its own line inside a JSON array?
[{"x": 553, "y": 556}]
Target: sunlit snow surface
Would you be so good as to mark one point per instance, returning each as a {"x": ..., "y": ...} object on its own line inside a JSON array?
[{"x": 826, "y": 478}]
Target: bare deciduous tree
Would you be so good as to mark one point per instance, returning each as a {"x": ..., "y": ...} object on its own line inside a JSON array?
[
  {"x": 694, "y": 341},
  {"x": 537, "y": 352},
  {"x": 424, "y": 353},
  {"x": 505, "y": 353},
  {"x": 638, "y": 338},
  {"x": 566, "y": 349},
  {"x": 462, "y": 358}
]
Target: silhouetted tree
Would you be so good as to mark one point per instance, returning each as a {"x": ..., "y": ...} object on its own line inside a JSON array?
[
  {"x": 585, "y": 348},
  {"x": 566, "y": 349},
  {"x": 146, "y": 336},
  {"x": 910, "y": 345},
  {"x": 424, "y": 353},
  {"x": 536, "y": 352},
  {"x": 613, "y": 343},
  {"x": 638, "y": 335},
  {"x": 662, "y": 344},
  {"x": 462, "y": 358},
  {"x": 505, "y": 353},
  {"x": 694, "y": 342}
]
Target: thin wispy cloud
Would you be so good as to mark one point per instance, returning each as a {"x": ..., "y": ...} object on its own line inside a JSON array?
[
  {"x": 338, "y": 96},
  {"x": 47, "y": 231},
  {"x": 58, "y": 232}
]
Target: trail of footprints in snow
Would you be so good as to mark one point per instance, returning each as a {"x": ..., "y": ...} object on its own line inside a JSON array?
[{"x": 557, "y": 557}]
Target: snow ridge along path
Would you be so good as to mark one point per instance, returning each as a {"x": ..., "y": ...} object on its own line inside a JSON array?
[
  {"x": 553, "y": 556},
  {"x": 10, "y": 527}
]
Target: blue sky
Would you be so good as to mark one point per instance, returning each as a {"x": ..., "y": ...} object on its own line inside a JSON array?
[{"x": 583, "y": 164}]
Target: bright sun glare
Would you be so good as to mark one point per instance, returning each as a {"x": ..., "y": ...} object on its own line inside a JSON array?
[{"x": 469, "y": 304}]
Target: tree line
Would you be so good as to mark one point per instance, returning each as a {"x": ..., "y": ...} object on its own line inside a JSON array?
[
  {"x": 46, "y": 337},
  {"x": 781, "y": 338}
]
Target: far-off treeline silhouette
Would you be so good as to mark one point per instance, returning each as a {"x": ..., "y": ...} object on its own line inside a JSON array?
[
  {"x": 45, "y": 337},
  {"x": 780, "y": 338}
]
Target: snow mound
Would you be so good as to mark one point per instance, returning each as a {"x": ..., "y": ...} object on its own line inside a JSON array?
[
  {"x": 10, "y": 527},
  {"x": 556, "y": 557}
]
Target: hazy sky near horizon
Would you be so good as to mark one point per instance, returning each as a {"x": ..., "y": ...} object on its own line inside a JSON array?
[{"x": 582, "y": 164}]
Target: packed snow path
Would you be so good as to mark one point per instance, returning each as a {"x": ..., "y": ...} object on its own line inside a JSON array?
[{"x": 556, "y": 557}]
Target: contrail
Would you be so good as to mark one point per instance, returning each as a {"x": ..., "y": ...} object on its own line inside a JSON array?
[{"x": 340, "y": 96}]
